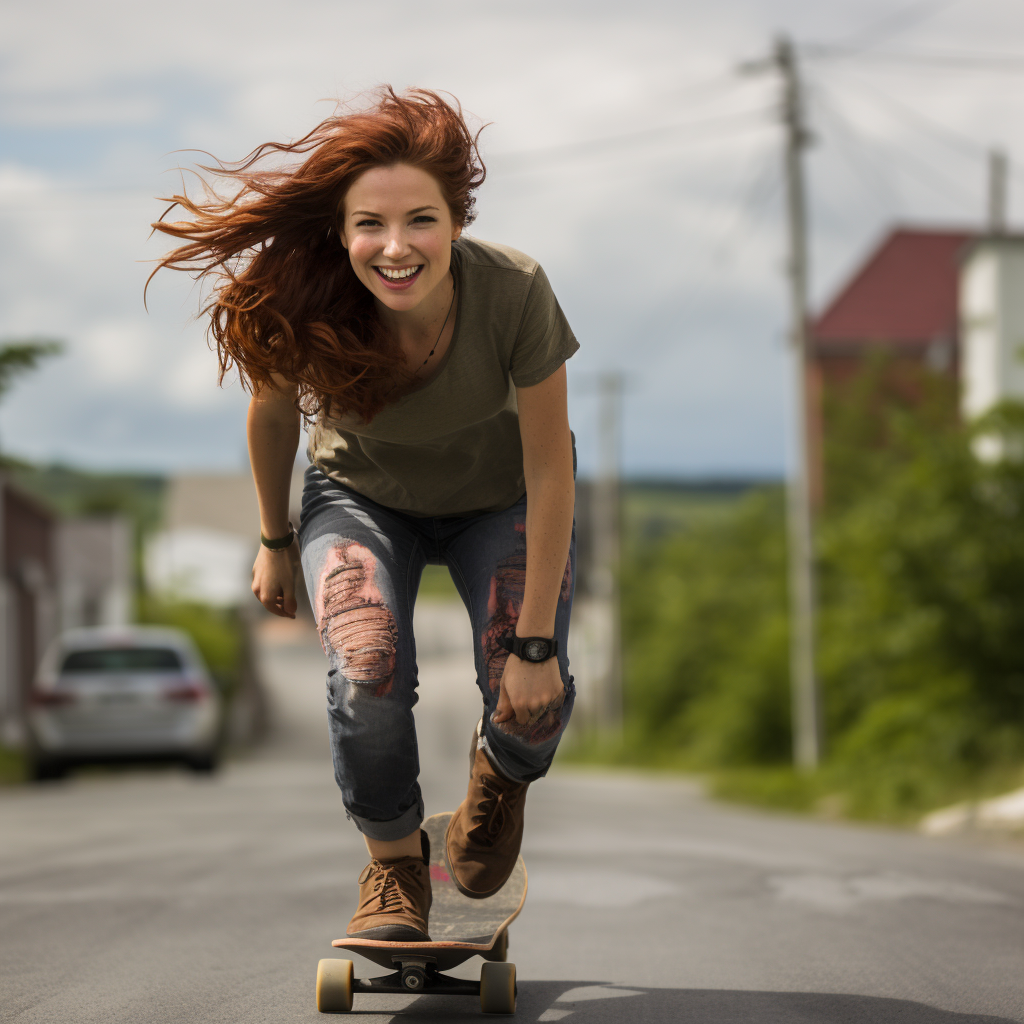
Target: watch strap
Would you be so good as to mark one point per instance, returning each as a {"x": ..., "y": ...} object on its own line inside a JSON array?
[{"x": 515, "y": 644}]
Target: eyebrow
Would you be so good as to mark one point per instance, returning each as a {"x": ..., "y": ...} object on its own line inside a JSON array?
[{"x": 370, "y": 213}]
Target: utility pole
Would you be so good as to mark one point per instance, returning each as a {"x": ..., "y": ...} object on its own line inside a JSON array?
[
  {"x": 607, "y": 526},
  {"x": 806, "y": 714},
  {"x": 997, "y": 174}
]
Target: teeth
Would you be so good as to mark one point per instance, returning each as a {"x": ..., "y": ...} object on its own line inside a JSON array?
[{"x": 397, "y": 275}]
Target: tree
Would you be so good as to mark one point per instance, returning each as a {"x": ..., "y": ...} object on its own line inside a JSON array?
[{"x": 21, "y": 356}]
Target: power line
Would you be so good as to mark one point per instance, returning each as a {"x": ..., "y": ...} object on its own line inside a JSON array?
[
  {"x": 899, "y": 21},
  {"x": 761, "y": 184},
  {"x": 719, "y": 85},
  {"x": 525, "y": 158},
  {"x": 907, "y": 157},
  {"x": 987, "y": 62},
  {"x": 706, "y": 129},
  {"x": 949, "y": 137},
  {"x": 867, "y": 172},
  {"x": 954, "y": 141}
]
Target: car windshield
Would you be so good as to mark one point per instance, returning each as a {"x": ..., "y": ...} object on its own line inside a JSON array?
[{"x": 123, "y": 659}]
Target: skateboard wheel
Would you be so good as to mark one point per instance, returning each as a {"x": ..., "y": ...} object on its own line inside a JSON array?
[
  {"x": 334, "y": 986},
  {"x": 498, "y": 988}
]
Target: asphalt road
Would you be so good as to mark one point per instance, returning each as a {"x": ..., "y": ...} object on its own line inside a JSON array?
[{"x": 156, "y": 896}]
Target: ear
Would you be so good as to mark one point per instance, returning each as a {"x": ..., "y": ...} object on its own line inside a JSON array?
[{"x": 456, "y": 232}]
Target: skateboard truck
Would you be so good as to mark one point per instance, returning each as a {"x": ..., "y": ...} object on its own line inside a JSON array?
[
  {"x": 414, "y": 970},
  {"x": 417, "y": 974}
]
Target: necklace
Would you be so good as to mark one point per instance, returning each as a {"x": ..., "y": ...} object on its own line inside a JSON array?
[{"x": 443, "y": 326}]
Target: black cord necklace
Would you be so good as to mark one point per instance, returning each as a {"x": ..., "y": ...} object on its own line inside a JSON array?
[{"x": 443, "y": 326}]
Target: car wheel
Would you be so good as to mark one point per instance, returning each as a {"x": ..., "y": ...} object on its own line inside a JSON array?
[
  {"x": 43, "y": 769},
  {"x": 205, "y": 763}
]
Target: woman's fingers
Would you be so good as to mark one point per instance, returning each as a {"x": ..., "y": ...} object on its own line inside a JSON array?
[
  {"x": 273, "y": 582},
  {"x": 504, "y": 711},
  {"x": 528, "y": 691}
]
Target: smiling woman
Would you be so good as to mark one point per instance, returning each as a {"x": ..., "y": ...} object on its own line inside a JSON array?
[
  {"x": 284, "y": 302},
  {"x": 431, "y": 369}
]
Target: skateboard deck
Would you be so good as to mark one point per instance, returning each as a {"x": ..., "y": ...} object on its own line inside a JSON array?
[{"x": 459, "y": 926}]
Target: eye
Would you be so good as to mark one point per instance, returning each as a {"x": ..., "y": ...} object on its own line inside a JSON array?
[
  {"x": 367, "y": 222},
  {"x": 425, "y": 218}
]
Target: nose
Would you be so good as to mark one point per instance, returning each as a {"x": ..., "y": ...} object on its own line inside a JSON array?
[{"x": 397, "y": 247}]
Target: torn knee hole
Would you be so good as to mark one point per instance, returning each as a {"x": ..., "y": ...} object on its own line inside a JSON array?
[{"x": 354, "y": 620}]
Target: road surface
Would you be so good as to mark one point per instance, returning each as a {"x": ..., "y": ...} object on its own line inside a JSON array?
[{"x": 152, "y": 895}]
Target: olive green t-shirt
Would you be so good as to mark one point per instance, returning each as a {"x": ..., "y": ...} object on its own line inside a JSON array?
[{"x": 452, "y": 446}]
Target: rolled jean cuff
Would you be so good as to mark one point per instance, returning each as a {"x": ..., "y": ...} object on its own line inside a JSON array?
[{"x": 388, "y": 831}]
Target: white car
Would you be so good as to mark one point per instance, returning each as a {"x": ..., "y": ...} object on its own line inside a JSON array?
[{"x": 122, "y": 693}]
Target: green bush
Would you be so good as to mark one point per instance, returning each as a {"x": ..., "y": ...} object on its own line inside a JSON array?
[
  {"x": 921, "y": 614},
  {"x": 691, "y": 684},
  {"x": 12, "y": 766},
  {"x": 218, "y": 633}
]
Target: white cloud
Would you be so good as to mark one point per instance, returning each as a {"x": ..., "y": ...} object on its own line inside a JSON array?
[
  {"x": 667, "y": 255},
  {"x": 192, "y": 375},
  {"x": 117, "y": 352},
  {"x": 17, "y": 183},
  {"x": 58, "y": 111}
]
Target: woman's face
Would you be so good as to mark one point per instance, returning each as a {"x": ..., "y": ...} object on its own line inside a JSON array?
[{"x": 398, "y": 231}]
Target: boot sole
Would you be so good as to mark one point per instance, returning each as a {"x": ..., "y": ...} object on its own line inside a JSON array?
[{"x": 391, "y": 933}]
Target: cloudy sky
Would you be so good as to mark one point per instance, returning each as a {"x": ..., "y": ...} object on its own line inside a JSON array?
[{"x": 625, "y": 152}]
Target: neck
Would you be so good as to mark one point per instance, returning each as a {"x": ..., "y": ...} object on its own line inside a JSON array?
[{"x": 424, "y": 318}]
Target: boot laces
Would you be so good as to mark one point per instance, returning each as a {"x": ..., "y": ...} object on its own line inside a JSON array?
[
  {"x": 493, "y": 811},
  {"x": 387, "y": 889}
]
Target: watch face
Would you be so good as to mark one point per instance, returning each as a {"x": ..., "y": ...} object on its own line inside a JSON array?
[{"x": 536, "y": 650}]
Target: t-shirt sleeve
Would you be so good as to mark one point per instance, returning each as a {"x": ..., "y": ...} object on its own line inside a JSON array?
[{"x": 545, "y": 339}]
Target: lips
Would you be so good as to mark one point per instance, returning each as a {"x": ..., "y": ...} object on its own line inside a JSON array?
[{"x": 398, "y": 283}]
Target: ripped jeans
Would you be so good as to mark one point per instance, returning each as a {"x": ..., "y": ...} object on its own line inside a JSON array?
[{"x": 362, "y": 564}]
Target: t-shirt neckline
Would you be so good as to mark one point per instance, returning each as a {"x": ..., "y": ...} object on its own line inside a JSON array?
[{"x": 456, "y": 271}]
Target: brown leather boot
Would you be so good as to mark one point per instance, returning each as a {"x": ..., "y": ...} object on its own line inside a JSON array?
[
  {"x": 485, "y": 833},
  {"x": 394, "y": 899}
]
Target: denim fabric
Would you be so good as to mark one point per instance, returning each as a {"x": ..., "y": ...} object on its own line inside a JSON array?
[{"x": 362, "y": 563}]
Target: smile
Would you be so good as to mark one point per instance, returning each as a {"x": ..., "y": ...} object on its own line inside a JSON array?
[{"x": 398, "y": 277}]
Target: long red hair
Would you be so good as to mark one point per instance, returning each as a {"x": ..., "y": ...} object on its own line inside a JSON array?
[{"x": 286, "y": 300}]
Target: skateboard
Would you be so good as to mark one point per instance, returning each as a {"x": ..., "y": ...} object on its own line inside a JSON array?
[{"x": 459, "y": 928}]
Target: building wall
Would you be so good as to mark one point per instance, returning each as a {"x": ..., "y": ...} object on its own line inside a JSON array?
[
  {"x": 94, "y": 555},
  {"x": 835, "y": 377},
  {"x": 224, "y": 502},
  {"x": 210, "y": 537},
  {"x": 29, "y": 603},
  {"x": 992, "y": 324}
]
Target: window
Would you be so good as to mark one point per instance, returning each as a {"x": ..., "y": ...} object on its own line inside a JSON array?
[{"x": 123, "y": 659}]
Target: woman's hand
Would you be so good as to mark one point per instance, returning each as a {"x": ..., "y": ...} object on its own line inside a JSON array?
[
  {"x": 528, "y": 689},
  {"x": 273, "y": 579}
]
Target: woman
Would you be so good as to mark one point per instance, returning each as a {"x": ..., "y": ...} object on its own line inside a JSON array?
[{"x": 431, "y": 368}]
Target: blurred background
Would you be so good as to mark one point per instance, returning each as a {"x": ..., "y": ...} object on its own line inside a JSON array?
[{"x": 639, "y": 156}]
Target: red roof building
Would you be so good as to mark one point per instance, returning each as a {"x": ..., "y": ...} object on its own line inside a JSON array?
[{"x": 903, "y": 301}]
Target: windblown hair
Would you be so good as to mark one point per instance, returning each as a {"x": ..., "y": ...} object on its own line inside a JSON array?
[{"x": 286, "y": 300}]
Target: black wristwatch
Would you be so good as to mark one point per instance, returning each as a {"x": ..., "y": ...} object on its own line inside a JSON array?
[{"x": 529, "y": 648}]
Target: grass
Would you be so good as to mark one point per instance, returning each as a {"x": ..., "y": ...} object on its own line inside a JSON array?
[
  {"x": 820, "y": 793},
  {"x": 12, "y": 766},
  {"x": 651, "y": 512},
  {"x": 436, "y": 584},
  {"x": 823, "y": 793}
]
